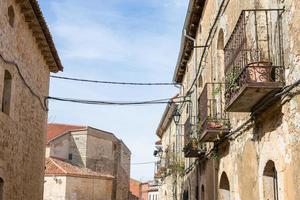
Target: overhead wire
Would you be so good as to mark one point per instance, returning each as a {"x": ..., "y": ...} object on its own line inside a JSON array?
[
  {"x": 119, "y": 103},
  {"x": 114, "y": 82},
  {"x": 41, "y": 99}
]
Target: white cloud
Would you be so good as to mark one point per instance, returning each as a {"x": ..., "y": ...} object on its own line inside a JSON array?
[{"x": 138, "y": 43}]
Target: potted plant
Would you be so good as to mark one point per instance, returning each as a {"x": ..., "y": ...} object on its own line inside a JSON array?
[
  {"x": 260, "y": 68},
  {"x": 214, "y": 124}
]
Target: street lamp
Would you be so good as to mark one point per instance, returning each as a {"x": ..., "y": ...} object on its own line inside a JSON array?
[{"x": 176, "y": 116}]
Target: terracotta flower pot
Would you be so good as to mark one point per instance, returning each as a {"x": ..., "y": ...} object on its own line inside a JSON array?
[
  {"x": 214, "y": 125},
  {"x": 260, "y": 71}
]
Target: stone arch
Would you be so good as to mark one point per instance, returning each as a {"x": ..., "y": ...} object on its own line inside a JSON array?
[
  {"x": 224, "y": 187},
  {"x": 270, "y": 181},
  {"x": 6, "y": 95}
]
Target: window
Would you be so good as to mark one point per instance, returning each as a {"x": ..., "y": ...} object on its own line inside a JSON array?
[
  {"x": 1, "y": 188},
  {"x": 6, "y": 97},
  {"x": 224, "y": 187},
  {"x": 11, "y": 15},
  {"x": 200, "y": 81},
  {"x": 202, "y": 192},
  {"x": 270, "y": 182},
  {"x": 70, "y": 156},
  {"x": 220, "y": 69}
]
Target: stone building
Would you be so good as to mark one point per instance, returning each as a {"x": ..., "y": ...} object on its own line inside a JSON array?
[
  {"x": 144, "y": 190},
  {"x": 64, "y": 180},
  {"x": 239, "y": 69},
  {"x": 94, "y": 151},
  {"x": 27, "y": 56},
  {"x": 135, "y": 189},
  {"x": 171, "y": 164}
]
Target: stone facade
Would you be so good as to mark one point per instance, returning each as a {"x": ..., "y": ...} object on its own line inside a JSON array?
[
  {"x": 258, "y": 158},
  {"x": 97, "y": 150},
  {"x": 66, "y": 181},
  {"x": 24, "y": 83}
]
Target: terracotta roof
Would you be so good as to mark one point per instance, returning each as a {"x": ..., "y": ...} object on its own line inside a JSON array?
[
  {"x": 55, "y": 166},
  {"x": 135, "y": 187},
  {"x": 35, "y": 19},
  {"x": 55, "y": 130}
]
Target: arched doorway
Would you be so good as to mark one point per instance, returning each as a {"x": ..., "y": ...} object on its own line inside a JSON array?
[
  {"x": 224, "y": 189},
  {"x": 1, "y": 188},
  {"x": 270, "y": 182},
  {"x": 202, "y": 193},
  {"x": 185, "y": 195}
]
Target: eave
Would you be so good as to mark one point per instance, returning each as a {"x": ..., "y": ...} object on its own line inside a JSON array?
[
  {"x": 191, "y": 25},
  {"x": 166, "y": 119},
  {"x": 37, "y": 24}
]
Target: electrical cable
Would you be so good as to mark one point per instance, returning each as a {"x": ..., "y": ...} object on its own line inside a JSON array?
[
  {"x": 43, "y": 103},
  {"x": 119, "y": 103},
  {"x": 143, "y": 163},
  {"x": 113, "y": 82}
]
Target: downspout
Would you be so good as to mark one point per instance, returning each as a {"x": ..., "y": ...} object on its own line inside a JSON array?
[
  {"x": 214, "y": 179},
  {"x": 196, "y": 85},
  {"x": 195, "y": 69}
]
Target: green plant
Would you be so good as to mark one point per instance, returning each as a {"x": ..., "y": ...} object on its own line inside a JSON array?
[
  {"x": 199, "y": 127},
  {"x": 215, "y": 155},
  {"x": 217, "y": 90},
  {"x": 231, "y": 81},
  {"x": 178, "y": 168}
]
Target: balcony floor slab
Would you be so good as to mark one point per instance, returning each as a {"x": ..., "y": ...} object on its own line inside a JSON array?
[{"x": 250, "y": 94}]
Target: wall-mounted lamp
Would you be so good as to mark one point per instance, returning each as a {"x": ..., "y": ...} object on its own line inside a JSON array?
[{"x": 176, "y": 116}]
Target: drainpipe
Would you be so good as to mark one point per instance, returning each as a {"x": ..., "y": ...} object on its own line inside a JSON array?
[
  {"x": 195, "y": 68},
  {"x": 196, "y": 85},
  {"x": 214, "y": 178}
]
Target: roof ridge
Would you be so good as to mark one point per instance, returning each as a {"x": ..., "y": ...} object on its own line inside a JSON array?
[
  {"x": 63, "y": 124},
  {"x": 57, "y": 165}
]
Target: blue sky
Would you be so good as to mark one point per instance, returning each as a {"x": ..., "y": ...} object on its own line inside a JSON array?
[{"x": 116, "y": 40}]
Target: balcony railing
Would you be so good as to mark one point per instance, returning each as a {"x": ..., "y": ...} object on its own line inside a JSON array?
[
  {"x": 254, "y": 64},
  {"x": 191, "y": 147},
  {"x": 213, "y": 120}
]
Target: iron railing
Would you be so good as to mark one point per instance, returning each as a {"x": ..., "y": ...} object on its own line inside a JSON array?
[
  {"x": 212, "y": 107},
  {"x": 254, "y": 50}
]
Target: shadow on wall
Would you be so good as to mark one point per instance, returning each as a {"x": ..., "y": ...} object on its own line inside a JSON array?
[
  {"x": 268, "y": 122},
  {"x": 75, "y": 156}
]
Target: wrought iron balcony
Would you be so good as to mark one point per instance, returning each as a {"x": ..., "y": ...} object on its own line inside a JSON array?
[
  {"x": 254, "y": 64},
  {"x": 191, "y": 146},
  {"x": 213, "y": 120},
  {"x": 192, "y": 149}
]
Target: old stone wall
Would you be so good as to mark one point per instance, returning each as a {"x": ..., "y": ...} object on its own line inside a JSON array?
[
  {"x": 272, "y": 139},
  {"x": 22, "y": 132},
  {"x": 86, "y": 189},
  {"x": 123, "y": 174}
]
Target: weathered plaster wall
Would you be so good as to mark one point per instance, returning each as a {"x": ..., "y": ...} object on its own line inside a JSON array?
[
  {"x": 55, "y": 188},
  {"x": 59, "y": 148},
  {"x": 22, "y": 133},
  {"x": 86, "y": 189},
  {"x": 78, "y": 147},
  {"x": 77, "y": 188}
]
